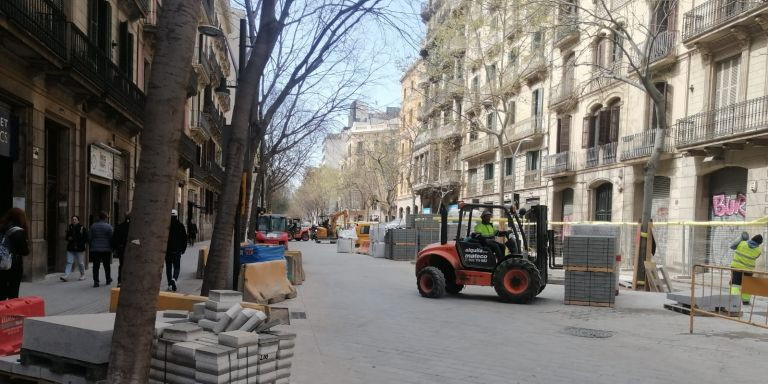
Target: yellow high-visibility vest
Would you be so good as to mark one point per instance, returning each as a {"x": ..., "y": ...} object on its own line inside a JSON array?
[{"x": 744, "y": 256}]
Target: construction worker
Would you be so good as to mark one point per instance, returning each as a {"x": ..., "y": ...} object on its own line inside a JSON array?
[
  {"x": 487, "y": 233},
  {"x": 745, "y": 254}
]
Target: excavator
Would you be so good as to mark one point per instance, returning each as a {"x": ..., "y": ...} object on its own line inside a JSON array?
[{"x": 327, "y": 231}]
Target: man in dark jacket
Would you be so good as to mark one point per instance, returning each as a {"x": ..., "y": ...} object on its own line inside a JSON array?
[
  {"x": 119, "y": 242},
  {"x": 192, "y": 231},
  {"x": 100, "y": 238},
  {"x": 177, "y": 244}
]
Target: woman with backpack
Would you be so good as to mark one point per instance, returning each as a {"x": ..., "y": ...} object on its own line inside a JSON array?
[
  {"x": 77, "y": 237},
  {"x": 13, "y": 245}
]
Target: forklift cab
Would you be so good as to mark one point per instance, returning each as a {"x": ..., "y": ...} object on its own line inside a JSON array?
[{"x": 474, "y": 250}]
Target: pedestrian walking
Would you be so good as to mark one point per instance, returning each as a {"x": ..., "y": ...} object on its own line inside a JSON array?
[
  {"x": 13, "y": 239},
  {"x": 192, "y": 232},
  {"x": 119, "y": 242},
  {"x": 100, "y": 241},
  {"x": 77, "y": 238},
  {"x": 746, "y": 251},
  {"x": 177, "y": 244}
]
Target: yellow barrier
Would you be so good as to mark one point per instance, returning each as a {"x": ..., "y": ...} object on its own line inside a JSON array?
[
  {"x": 178, "y": 301},
  {"x": 715, "y": 281}
]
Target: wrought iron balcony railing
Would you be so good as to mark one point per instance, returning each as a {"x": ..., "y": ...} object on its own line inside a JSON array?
[
  {"x": 558, "y": 163},
  {"x": 489, "y": 186},
  {"x": 532, "y": 178},
  {"x": 43, "y": 19},
  {"x": 566, "y": 29},
  {"x": 715, "y": 13},
  {"x": 188, "y": 150},
  {"x": 746, "y": 117},
  {"x": 601, "y": 155},
  {"x": 641, "y": 144}
]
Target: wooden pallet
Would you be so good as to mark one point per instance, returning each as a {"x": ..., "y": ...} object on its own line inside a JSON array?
[
  {"x": 686, "y": 310},
  {"x": 61, "y": 364},
  {"x": 584, "y": 268},
  {"x": 589, "y": 303}
]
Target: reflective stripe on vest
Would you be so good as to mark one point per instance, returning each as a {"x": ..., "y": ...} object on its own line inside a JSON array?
[{"x": 745, "y": 256}]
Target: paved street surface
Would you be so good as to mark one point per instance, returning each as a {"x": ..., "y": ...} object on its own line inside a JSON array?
[
  {"x": 75, "y": 297},
  {"x": 366, "y": 323}
]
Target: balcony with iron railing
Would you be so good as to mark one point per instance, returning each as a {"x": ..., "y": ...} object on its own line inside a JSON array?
[
  {"x": 452, "y": 129},
  {"x": 563, "y": 95},
  {"x": 216, "y": 70},
  {"x": 187, "y": 150},
  {"x": 558, "y": 164},
  {"x": 489, "y": 186},
  {"x": 149, "y": 23},
  {"x": 200, "y": 125},
  {"x": 661, "y": 50},
  {"x": 217, "y": 174},
  {"x": 509, "y": 183},
  {"x": 478, "y": 146},
  {"x": 713, "y": 19},
  {"x": 608, "y": 76},
  {"x": 532, "y": 178},
  {"x": 215, "y": 118},
  {"x": 472, "y": 188},
  {"x": 640, "y": 145},
  {"x": 534, "y": 68},
  {"x": 567, "y": 30},
  {"x": 603, "y": 154},
  {"x": 532, "y": 126},
  {"x": 735, "y": 121},
  {"x": 44, "y": 22}
]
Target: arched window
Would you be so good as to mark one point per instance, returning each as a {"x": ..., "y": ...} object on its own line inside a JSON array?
[{"x": 604, "y": 202}]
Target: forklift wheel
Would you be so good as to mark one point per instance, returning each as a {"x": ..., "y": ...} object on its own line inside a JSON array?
[
  {"x": 516, "y": 281},
  {"x": 304, "y": 237},
  {"x": 431, "y": 282}
]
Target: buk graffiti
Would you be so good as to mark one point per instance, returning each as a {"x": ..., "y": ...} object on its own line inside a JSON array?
[{"x": 726, "y": 206}]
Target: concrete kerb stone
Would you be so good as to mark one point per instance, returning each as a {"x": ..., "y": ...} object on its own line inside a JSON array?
[
  {"x": 182, "y": 332},
  {"x": 238, "y": 339},
  {"x": 225, "y": 296}
]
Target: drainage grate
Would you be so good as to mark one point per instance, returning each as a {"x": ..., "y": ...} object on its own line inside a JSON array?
[
  {"x": 588, "y": 333},
  {"x": 298, "y": 315}
]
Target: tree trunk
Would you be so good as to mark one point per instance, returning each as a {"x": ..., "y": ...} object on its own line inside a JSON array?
[
  {"x": 500, "y": 138},
  {"x": 155, "y": 191},
  {"x": 650, "y": 174},
  {"x": 216, "y": 268}
]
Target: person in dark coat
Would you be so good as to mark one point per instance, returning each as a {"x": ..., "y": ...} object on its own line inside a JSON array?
[
  {"x": 192, "y": 232},
  {"x": 14, "y": 231},
  {"x": 77, "y": 238},
  {"x": 100, "y": 238},
  {"x": 177, "y": 244},
  {"x": 119, "y": 241}
]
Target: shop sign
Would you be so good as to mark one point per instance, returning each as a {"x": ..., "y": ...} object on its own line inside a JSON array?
[
  {"x": 5, "y": 131},
  {"x": 101, "y": 162}
]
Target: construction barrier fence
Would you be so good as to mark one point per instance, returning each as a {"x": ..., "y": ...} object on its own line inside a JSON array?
[
  {"x": 711, "y": 295},
  {"x": 679, "y": 245}
]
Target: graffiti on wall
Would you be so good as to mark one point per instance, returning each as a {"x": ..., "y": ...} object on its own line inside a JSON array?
[{"x": 728, "y": 206}]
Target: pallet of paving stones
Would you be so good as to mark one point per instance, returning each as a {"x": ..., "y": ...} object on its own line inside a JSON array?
[
  {"x": 399, "y": 236},
  {"x": 590, "y": 251},
  {"x": 590, "y": 287},
  {"x": 686, "y": 310},
  {"x": 427, "y": 237},
  {"x": 402, "y": 252},
  {"x": 63, "y": 365},
  {"x": 426, "y": 221}
]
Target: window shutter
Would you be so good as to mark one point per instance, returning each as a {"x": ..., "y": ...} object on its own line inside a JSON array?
[
  {"x": 123, "y": 49},
  {"x": 129, "y": 61},
  {"x": 585, "y": 132},
  {"x": 105, "y": 27},
  {"x": 614, "y": 131},
  {"x": 511, "y": 112},
  {"x": 604, "y": 125},
  {"x": 564, "y": 134},
  {"x": 93, "y": 20}
]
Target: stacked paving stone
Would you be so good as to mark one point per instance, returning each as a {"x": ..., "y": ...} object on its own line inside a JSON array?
[
  {"x": 589, "y": 270},
  {"x": 221, "y": 347},
  {"x": 402, "y": 244}
]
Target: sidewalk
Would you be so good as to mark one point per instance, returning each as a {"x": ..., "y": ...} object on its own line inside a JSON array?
[{"x": 77, "y": 297}]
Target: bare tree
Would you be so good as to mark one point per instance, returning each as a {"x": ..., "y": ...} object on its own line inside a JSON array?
[
  {"x": 155, "y": 180},
  {"x": 324, "y": 25}
]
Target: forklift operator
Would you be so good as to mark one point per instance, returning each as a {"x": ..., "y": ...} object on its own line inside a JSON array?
[{"x": 487, "y": 234}]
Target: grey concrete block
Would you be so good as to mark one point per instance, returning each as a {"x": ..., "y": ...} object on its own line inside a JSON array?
[
  {"x": 238, "y": 321},
  {"x": 7, "y": 362},
  {"x": 213, "y": 315},
  {"x": 217, "y": 306},
  {"x": 255, "y": 320},
  {"x": 237, "y": 339},
  {"x": 182, "y": 332},
  {"x": 86, "y": 338},
  {"x": 225, "y": 296},
  {"x": 707, "y": 301},
  {"x": 198, "y": 308},
  {"x": 175, "y": 314},
  {"x": 206, "y": 324},
  {"x": 234, "y": 310},
  {"x": 185, "y": 351},
  {"x": 221, "y": 325}
]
